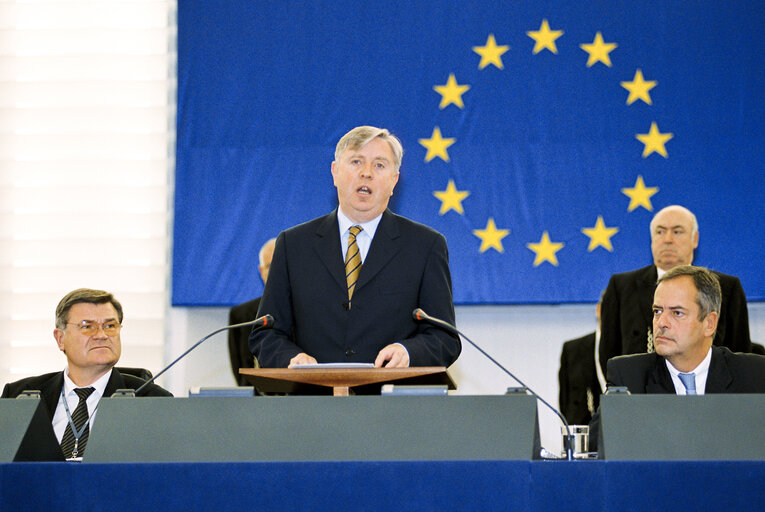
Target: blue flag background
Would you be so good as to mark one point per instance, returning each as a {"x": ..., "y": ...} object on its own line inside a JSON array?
[{"x": 579, "y": 122}]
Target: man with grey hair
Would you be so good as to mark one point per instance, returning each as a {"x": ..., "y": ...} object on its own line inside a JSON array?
[
  {"x": 238, "y": 344},
  {"x": 686, "y": 312},
  {"x": 342, "y": 287},
  {"x": 88, "y": 327},
  {"x": 626, "y": 310}
]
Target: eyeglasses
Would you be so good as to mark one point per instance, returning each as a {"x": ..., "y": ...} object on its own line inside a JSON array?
[{"x": 110, "y": 328}]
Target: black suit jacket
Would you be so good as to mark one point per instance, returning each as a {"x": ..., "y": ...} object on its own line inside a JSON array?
[
  {"x": 647, "y": 373},
  {"x": 238, "y": 339},
  {"x": 407, "y": 267},
  {"x": 627, "y": 316},
  {"x": 50, "y": 385},
  {"x": 579, "y": 389}
]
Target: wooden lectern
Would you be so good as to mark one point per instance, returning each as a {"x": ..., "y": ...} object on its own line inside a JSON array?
[{"x": 310, "y": 381}]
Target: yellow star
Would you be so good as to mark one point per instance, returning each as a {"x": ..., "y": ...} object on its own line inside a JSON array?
[
  {"x": 545, "y": 250},
  {"x": 491, "y": 237},
  {"x": 451, "y": 92},
  {"x": 437, "y": 145},
  {"x": 598, "y": 50},
  {"x": 490, "y": 53},
  {"x": 451, "y": 198},
  {"x": 600, "y": 235},
  {"x": 654, "y": 141},
  {"x": 640, "y": 195},
  {"x": 545, "y": 38},
  {"x": 639, "y": 88}
]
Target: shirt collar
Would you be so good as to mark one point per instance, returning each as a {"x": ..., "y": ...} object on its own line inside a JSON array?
[
  {"x": 700, "y": 373},
  {"x": 99, "y": 385},
  {"x": 368, "y": 227}
]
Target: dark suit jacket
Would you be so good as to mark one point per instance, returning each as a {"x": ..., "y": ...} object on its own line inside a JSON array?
[
  {"x": 238, "y": 339},
  {"x": 50, "y": 385},
  {"x": 626, "y": 314},
  {"x": 647, "y": 373},
  {"x": 406, "y": 268},
  {"x": 578, "y": 380}
]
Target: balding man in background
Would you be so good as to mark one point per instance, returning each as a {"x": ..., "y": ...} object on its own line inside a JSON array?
[
  {"x": 626, "y": 311},
  {"x": 238, "y": 345}
]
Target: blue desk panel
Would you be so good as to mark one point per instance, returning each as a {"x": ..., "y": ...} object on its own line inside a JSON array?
[{"x": 391, "y": 485}]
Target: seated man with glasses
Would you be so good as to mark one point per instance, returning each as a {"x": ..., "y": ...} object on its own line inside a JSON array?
[{"x": 88, "y": 324}]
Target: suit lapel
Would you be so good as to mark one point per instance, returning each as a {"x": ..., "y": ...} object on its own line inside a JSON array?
[
  {"x": 384, "y": 247},
  {"x": 718, "y": 377},
  {"x": 51, "y": 391},
  {"x": 659, "y": 380},
  {"x": 115, "y": 382},
  {"x": 328, "y": 248}
]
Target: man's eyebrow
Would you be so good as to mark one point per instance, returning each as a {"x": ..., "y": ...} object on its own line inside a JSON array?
[
  {"x": 662, "y": 226},
  {"x": 656, "y": 306},
  {"x": 112, "y": 319}
]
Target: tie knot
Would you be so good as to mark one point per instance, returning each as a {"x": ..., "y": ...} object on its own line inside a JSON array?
[
  {"x": 355, "y": 230},
  {"x": 689, "y": 381},
  {"x": 84, "y": 393}
]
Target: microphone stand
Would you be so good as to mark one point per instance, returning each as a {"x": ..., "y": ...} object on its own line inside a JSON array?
[
  {"x": 264, "y": 321},
  {"x": 419, "y": 315}
]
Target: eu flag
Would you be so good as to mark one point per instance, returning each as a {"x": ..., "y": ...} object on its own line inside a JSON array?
[{"x": 540, "y": 137}]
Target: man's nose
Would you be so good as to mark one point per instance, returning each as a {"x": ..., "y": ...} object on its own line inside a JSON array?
[{"x": 366, "y": 170}]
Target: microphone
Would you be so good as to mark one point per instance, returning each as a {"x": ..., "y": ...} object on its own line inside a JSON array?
[
  {"x": 421, "y": 316},
  {"x": 264, "y": 322}
]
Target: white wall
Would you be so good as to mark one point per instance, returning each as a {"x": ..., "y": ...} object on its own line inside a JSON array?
[{"x": 525, "y": 339}]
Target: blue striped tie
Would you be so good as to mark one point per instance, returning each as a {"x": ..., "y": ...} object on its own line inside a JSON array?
[{"x": 80, "y": 417}]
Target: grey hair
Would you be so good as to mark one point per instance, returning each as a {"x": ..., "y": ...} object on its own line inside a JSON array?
[
  {"x": 363, "y": 135},
  {"x": 708, "y": 291}
]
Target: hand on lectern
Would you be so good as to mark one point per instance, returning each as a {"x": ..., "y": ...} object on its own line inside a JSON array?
[
  {"x": 395, "y": 355},
  {"x": 302, "y": 358}
]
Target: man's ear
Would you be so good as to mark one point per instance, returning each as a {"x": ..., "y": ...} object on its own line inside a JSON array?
[
  {"x": 58, "y": 334},
  {"x": 710, "y": 324}
]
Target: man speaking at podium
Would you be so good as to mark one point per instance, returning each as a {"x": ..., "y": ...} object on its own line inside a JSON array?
[{"x": 342, "y": 287}]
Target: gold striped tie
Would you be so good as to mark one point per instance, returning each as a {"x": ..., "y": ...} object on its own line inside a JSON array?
[{"x": 352, "y": 261}]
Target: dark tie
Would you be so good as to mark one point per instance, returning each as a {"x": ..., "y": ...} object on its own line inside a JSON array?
[
  {"x": 689, "y": 381},
  {"x": 352, "y": 261},
  {"x": 80, "y": 417}
]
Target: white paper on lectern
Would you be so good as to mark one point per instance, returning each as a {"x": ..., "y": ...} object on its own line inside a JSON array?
[{"x": 333, "y": 365}]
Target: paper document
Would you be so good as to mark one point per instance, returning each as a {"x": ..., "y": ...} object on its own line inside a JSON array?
[{"x": 333, "y": 365}]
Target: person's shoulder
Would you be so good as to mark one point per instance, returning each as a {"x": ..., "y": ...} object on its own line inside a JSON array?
[
  {"x": 727, "y": 281},
  {"x": 409, "y": 226},
  {"x": 310, "y": 226},
  {"x": 633, "y": 361},
  {"x": 14, "y": 389},
  {"x": 587, "y": 339},
  {"x": 637, "y": 274},
  {"x": 740, "y": 359}
]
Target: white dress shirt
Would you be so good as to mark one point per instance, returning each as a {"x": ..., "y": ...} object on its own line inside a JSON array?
[{"x": 60, "y": 419}]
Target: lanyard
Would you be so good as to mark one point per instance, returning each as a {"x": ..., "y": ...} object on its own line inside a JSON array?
[{"x": 77, "y": 433}]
